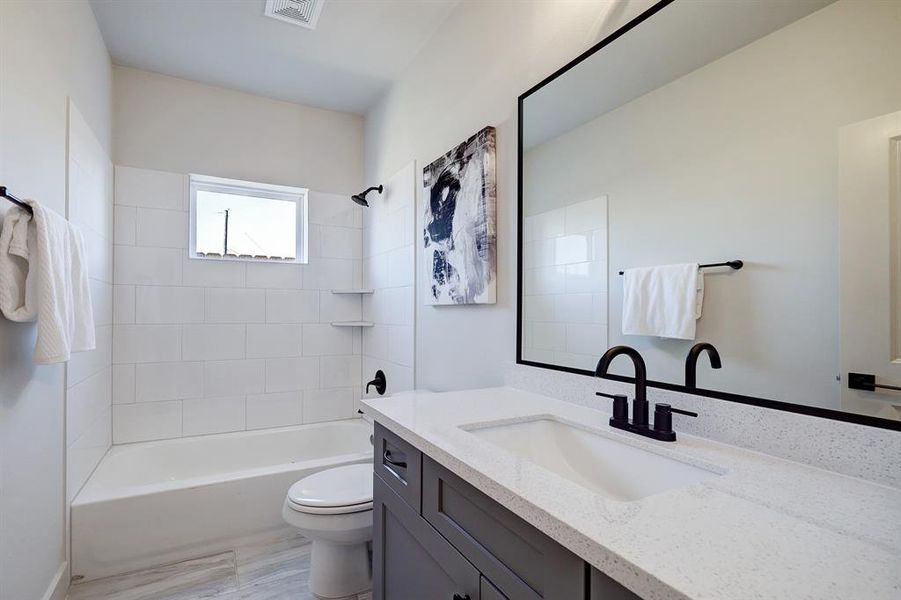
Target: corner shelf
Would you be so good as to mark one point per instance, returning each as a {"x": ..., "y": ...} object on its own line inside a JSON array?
[
  {"x": 353, "y": 291},
  {"x": 352, "y": 323}
]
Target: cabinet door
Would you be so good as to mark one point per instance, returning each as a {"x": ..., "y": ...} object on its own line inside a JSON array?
[{"x": 410, "y": 559}]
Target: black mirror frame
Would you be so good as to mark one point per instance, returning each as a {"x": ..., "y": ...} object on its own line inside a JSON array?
[{"x": 803, "y": 409}]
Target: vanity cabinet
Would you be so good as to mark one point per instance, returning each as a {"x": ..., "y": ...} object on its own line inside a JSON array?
[{"x": 437, "y": 537}]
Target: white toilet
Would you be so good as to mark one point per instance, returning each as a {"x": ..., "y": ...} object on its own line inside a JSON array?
[{"x": 334, "y": 509}]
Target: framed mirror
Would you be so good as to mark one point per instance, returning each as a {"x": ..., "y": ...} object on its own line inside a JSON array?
[{"x": 764, "y": 135}]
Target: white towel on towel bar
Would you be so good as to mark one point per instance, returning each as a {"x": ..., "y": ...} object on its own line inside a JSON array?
[
  {"x": 44, "y": 276},
  {"x": 663, "y": 301}
]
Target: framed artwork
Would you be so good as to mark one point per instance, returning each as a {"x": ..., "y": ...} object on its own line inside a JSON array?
[{"x": 460, "y": 232}]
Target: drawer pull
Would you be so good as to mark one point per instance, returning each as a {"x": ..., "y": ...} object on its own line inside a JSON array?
[
  {"x": 401, "y": 464},
  {"x": 459, "y": 597}
]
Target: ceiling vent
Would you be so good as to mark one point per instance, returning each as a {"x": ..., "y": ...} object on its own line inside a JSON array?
[{"x": 299, "y": 12}]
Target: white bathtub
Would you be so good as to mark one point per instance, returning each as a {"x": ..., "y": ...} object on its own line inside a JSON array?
[{"x": 156, "y": 502}]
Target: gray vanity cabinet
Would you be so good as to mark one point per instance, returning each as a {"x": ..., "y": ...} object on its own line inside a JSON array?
[{"x": 436, "y": 537}]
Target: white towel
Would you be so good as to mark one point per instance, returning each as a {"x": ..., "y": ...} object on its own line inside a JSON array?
[
  {"x": 43, "y": 276},
  {"x": 663, "y": 301}
]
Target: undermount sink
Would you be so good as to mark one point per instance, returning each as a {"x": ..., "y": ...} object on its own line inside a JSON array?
[{"x": 614, "y": 469}]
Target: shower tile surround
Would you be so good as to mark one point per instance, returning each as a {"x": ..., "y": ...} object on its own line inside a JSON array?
[
  {"x": 388, "y": 267},
  {"x": 88, "y": 374},
  {"x": 204, "y": 346}
]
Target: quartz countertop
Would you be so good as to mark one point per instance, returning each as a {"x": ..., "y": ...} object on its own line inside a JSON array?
[{"x": 767, "y": 528}]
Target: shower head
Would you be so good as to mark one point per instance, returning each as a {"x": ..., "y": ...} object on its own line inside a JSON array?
[{"x": 361, "y": 197}]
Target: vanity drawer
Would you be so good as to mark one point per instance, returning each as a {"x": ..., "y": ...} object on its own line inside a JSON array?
[
  {"x": 399, "y": 464},
  {"x": 520, "y": 561}
]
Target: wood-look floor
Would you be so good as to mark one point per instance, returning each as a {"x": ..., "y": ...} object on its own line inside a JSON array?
[{"x": 278, "y": 570}]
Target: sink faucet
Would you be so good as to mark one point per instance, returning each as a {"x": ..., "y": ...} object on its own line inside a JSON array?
[
  {"x": 663, "y": 413},
  {"x": 640, "y": 404},
  {"x": 691, "y": 362}
]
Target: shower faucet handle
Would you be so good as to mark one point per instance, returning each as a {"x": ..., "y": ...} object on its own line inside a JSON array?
[{"x": 380, "y": 383}]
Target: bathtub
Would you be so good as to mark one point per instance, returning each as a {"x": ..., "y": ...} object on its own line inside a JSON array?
[{"x": 153, "y": 503}]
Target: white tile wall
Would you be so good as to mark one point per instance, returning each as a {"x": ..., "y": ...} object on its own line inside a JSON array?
[
  {"x": 289, "y": 374},
  {"x": 388, "y": 268},
  {"x": 276, "y": 341},
  {"x": 205, "y": 347},
  {"x": 162, "y": 228},
  {"x": 156, "y": 304},
  {"x": 274, "y": 410},
  {"x": 166, "y": 381},
  {"x": 214, "y": 342},
  {"x": 89, "y": 374},
  {"x": 565, "y": 284},
  {"x": 325, "y": 340},
  {"x": 229, "y": 305},
  {"x": 212, "y": 415},
  {"x": 292, "y": 306},
  {"x": 147, "y": 266},
  {"x": 326, "y": 405},
  {"x": 144, "y": 421}
]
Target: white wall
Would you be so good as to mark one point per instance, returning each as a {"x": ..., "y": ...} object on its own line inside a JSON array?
[
  {"x": 759, "y": 185},
  {"x": 207, "y": 346},
  {"x": 388, "y": 263},
  {"x": 181, "y": 126},
  {"x": 49, "y": 51},
  {"x": 468, "y": 76}
]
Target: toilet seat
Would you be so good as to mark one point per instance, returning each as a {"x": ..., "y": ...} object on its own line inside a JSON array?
[
  {"x": 340, "y": 490},
  {"x": 330, "y": 510}
]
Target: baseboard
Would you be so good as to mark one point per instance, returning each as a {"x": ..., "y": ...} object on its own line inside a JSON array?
[{"x": 59, "y": 585}]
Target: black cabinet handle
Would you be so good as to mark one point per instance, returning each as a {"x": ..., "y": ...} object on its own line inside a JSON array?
[
  {"x": 401, "y": 464},
  {"x": 459, "y": 597}
]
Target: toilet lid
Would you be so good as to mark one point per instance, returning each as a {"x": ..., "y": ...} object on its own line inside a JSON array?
[{"x": 341, "y": 486}]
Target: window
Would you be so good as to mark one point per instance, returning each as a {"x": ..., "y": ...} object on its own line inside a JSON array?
[{"x": 248, "y": 221}]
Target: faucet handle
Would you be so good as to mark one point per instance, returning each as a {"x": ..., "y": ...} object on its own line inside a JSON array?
[
  {"x": 663, "y": 419},
  {"x": 682, "y": 412},
  {"x": 620, "y": 407}
]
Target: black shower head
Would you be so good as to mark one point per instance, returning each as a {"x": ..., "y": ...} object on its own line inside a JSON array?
[{"x": 361, "y": 197}]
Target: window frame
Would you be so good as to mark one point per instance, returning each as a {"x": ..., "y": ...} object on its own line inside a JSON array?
[{"x": 298, "y": 195}]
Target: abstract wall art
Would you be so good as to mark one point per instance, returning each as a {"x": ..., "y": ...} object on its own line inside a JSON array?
[{"x": 460, "y": 235}]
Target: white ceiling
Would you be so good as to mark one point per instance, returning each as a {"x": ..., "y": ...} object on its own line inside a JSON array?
[{"x": 357, "y": 50}]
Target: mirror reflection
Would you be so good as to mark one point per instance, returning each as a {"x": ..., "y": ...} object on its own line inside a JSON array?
[{"x": 765, "y": 132}]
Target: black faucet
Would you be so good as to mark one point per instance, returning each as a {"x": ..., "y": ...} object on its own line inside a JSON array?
[
  {"x": 663, "y": 413},
  {"x": 691, "y": 362},
  {"x": 640, "y": 404},
  {"x": 380, "y": 383}
]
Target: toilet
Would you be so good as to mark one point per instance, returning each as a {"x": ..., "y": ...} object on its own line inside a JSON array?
[{"x": 333, "y": 508}]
